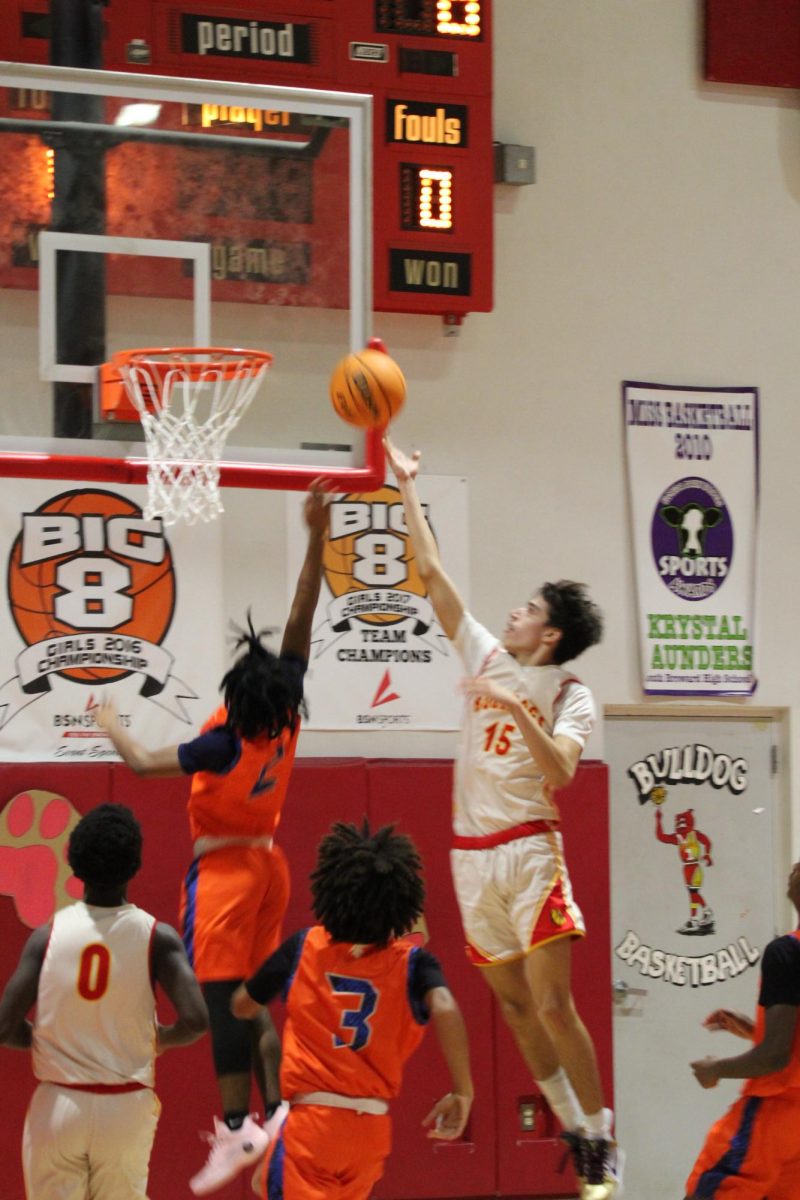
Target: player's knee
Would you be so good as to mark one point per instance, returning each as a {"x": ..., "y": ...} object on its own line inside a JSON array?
[
  {"x": 516, "y": 1011},
  {"x": 556, "y": 1012}
]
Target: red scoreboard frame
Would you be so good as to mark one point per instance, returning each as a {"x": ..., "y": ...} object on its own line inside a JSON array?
[{"x": 428, "y": 65}]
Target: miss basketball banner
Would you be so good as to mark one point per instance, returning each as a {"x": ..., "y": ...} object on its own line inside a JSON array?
[
  {"x": 100, "y": 601},
  {"x": 693, "y": 476},
  {"x": 379, "y": 659}
]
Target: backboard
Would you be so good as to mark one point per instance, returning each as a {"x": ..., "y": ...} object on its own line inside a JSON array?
[{"x": 153, "y": 211}]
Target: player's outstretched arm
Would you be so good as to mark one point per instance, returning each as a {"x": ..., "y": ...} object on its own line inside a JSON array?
[
  {"x": 243, "y": 1005},
  {"x": 772, "y": 1053},
  {"x": 172, "y": 972},
  {"x": 19, "y": 996},
  {"x": 449, "y": 1115},
  {"x": 446, "y": 601},
  {"x": 297, "y": 634},
  {"x": 271, "y": 978},
  {"x": 152, "y": 763},
  {"x": 731, "y": 1022}
]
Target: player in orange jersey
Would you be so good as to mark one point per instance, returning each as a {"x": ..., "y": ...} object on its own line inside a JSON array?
[
  {"x": 237, "y": 888},
  {"x": 753, "y": 1151},
  {"x": 358, "y": 996}
]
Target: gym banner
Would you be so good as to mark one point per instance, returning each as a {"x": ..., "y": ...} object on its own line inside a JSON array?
[
  {"x": 692, "y": 456},
  {"x": 379, "y": 658},
  {"x": 98, "y": 601}
]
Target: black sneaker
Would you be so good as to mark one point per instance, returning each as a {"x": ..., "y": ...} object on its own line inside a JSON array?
[
  {"x": 574, "y": 1149},
  {"x": 603, "y": 1162}
]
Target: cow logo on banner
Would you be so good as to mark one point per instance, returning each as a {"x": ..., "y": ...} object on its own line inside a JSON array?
[
  {"x": 692, "y": 459},
  {"x": 670, "y": 786},
  {"x": 692, "y": 537},
  {"x": 91, "y": 590},
  {"x": 379, "y": 658}
]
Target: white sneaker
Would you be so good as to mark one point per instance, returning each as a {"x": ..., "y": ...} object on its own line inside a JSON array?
[
  {"x": 231, "y": 1151},
  {"x": 273, "y": 1126}
]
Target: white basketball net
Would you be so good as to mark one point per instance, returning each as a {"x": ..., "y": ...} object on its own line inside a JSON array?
[{"x": 188, "y": 402}]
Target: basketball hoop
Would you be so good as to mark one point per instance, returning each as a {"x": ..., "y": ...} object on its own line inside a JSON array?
[{"x": 188, "y": 400}]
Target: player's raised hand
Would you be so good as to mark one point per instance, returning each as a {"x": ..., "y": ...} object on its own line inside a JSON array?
[
  {"x": 106, "y": 715},
  {"x": 448, "y": 1117},
  {"x": 317, "y": 505},
  {"x": 729, "y": 1022},
  {"x": 479, "y": 685},
  {"x": 404, "y": 466}
]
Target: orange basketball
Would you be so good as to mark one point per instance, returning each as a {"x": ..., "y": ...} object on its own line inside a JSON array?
[{"x": 367, "y": 389}]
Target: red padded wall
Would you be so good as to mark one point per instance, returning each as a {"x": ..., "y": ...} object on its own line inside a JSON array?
[{"x": 495, "y": 1158}]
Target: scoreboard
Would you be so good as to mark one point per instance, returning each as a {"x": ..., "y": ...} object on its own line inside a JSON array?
[{"x": 427, "y": 64}]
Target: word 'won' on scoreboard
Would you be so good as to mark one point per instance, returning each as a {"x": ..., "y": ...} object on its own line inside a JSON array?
[{"x": 427, "y": 63}]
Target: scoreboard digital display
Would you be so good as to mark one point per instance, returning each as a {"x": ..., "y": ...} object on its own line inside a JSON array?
[{"x": 427, "y": 63}]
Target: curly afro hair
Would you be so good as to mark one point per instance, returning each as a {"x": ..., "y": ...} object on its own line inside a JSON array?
[
  {"x": 367, "y": 887},
  {"x": 261, "y": 696},
  {"x": 105, "y": 847}
]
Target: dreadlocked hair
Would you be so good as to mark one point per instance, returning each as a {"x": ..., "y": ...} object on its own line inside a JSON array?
[
  {"x": 367, "y": 887},
  {"x": 105, "y": 847},
  {"x": 261, "y": 697}
]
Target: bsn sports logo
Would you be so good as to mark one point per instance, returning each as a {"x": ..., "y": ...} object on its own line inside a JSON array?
[{"x": 384, "y": 693}]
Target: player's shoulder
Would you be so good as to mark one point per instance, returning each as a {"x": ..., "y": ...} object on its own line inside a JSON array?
[
  {"x": 470, "y": 627},
  {"x": 787, "y": 941},
  {"x": 165, "y": 937},
  {"x": 783, "y": 950}
]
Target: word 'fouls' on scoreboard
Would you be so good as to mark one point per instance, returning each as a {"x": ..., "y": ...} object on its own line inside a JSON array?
[{"x": 427, "y": 63}]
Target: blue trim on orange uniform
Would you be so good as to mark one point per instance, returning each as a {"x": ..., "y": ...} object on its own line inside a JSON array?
[
  {"x": 236, "y": 759},
  {"x": 729, "y": 1165},
  {"x": 190, "y": 909},
  {"x": 301, "y": 941},
  {"x": 418, "y": 1007},
  {"x": 275, "y": 1170}
]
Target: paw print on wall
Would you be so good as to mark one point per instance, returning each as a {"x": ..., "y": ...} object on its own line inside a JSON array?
[{"x": 34, "y": 832}]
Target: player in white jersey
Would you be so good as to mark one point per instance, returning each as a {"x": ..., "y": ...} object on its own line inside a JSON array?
[
  {"x": 527, "y": 721},
  {"x": 91, "y": 974}
]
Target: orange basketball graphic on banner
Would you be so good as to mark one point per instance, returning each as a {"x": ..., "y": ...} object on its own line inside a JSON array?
[
  {"x": 370, "y": 552},
  {"x": 90, "y": 570}
]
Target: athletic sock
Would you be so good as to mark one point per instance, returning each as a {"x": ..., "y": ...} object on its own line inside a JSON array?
[
  {"x": 599, "y": 1124},
  {"x": 559, "y": 1094}
]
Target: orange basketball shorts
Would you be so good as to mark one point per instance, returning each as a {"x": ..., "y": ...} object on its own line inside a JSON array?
[
  {"x": 752, "y": 1152},
  {"x": 232, "y": 907},
  {"x": 327, "y": 1154}
]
